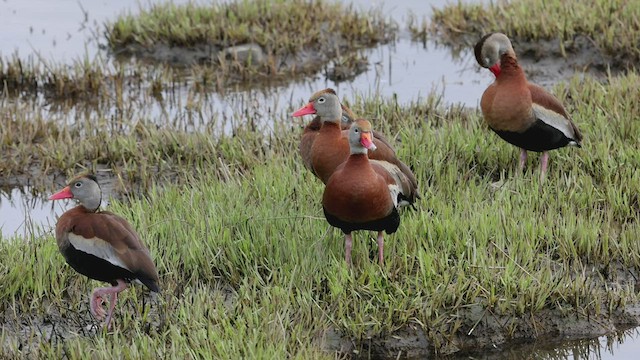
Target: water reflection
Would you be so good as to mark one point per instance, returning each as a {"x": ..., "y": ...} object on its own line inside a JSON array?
[
  {"x": 624, "y": 345},
  {"x": 24, "y": 214}
]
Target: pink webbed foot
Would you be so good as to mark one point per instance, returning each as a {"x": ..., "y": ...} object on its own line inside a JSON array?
[
  {"x": 96, "y": 306},
  {"x": 97, "y": 299}
]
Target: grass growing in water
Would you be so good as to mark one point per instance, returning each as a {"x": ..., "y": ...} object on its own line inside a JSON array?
[
  {"x": 315, "y": 31},
  {"x": 611, "y": 26},
  {"x": 248, "y": 269}
]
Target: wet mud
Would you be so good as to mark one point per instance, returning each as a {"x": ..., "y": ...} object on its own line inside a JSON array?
[{"x": 484, "y": 333}]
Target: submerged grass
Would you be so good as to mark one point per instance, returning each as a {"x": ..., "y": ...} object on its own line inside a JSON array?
[
  {"x": 249, "y": 270},
  {"x": 612, "y": 27}
]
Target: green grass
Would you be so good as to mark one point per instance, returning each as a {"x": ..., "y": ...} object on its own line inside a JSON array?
[
  {"x": 249, "y": 270},
  {"x": 612, "y": 27},
  {"x": 319, "y": 30}
]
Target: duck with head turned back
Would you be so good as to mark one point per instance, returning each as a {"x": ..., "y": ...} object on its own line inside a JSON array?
[
  {"x": 101, "y": 245},
  {"x": 522, "y": 113},
  {"x": 331, "y": 146},
  {"x": 365, "y": 194}
]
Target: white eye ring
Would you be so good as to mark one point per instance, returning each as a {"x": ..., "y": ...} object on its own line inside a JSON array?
[
  {"x": 356, "y": 130},
  {"x": 78, "y": 184},
  {"x": 321, "y": 100}
]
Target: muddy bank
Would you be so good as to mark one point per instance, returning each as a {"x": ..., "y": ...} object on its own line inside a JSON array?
[
  {"x": 483, "y": 332},
  {"x": 250, "y": 63},
  {"x": 548, "y": 62}
]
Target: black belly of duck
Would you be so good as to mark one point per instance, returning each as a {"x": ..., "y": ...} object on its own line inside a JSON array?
[
  {"x": 94, "y": 267},
  {"x": 538, "y": 137},
  {"x": 388, "y": 224}
]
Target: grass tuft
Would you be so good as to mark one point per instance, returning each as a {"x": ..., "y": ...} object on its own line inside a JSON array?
[{"x": 293, "y": 37}]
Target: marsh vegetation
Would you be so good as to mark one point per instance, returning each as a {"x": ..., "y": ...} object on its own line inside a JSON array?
[{"x": 248, "y": 265}]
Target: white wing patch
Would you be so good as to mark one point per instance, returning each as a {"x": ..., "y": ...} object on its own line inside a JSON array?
[
  {"x": 554, "y": 120},
  {"x": 97, "y": 247},
  {"x": 399, "y": 177},
  {"x": 394, "y": 191}
]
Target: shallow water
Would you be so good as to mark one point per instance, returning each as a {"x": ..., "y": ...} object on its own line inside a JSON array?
[
  {"x": 23, "y": 214},
  {"x": 69, "y": 30},
  {"x": 621, "y": 346}
]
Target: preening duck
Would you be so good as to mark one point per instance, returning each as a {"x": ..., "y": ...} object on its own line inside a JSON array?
[{"x": 522, "y": 113}]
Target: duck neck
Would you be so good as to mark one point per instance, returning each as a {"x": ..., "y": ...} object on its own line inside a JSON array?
[
  {"x": 92, "y": 204},
  {"x": 510, "y": 69},
  {"x": 358, "y": 150},
  {"x": 331, "y": 127},
  {"x": 358, "y": 159}
]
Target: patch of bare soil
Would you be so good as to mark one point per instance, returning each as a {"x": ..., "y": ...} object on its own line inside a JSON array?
[
  {"x": 548, "y": 62},
  {"x": 238, "y": 59},
  {"x": 545, "y": 63}
]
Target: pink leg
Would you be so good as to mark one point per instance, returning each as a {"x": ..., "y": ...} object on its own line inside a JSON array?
[
  {"x": 97, "y": 300},
  {"x": 381, "y": 248},
  {"x": 348, "y": 241},
  {"x": 523, "y": 159},
  {"x": 544, "y": 161}
]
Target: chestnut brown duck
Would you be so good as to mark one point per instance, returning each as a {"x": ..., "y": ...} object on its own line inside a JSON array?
[
  {"x": 364, "y": 194},
  {"x": 101, "y": 245},
  {"x": 521, "y": 113},
  {"x": 310, "y": 133},
  {"x": 331, "y": 145}
]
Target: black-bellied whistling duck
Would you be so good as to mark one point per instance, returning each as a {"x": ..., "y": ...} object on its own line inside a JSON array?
[
  {"x": 331, "y": 146},
  {"x": 522, "y": 113},
  {"x": 101, "y": 245},
  {"x": 364, "y": 194},
  {"x": 310, "y": 133}
]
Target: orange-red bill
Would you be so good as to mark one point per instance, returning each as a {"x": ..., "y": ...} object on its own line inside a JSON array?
[
  {"x": 365, "y": 140},
  {"x": 305, "y": 110},
  {"x": 495, "y": 69},
  {"x": 62, "y": 194}
]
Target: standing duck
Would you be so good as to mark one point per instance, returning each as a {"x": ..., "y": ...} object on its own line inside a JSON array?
[
  {"x": 365, "y": 194},
  {"x": 310, "y": 133},
  {"x": 101, "y": 245},
  {"x": 522, "y": 113},
  {"x": 331, "y": 146}
]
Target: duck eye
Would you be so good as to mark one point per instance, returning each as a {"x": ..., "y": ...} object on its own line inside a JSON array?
[
  {"x": 321, "y": 100},
  {"x": 356, "y": 130},
  {"x": 78, "y": 184}
]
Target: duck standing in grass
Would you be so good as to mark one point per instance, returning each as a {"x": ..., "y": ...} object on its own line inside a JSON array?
[
  {"x": 101, "y": 245},
  {"x": 310, "y": 133},
  {"x": 365, "y": 194},
  {"x": 522, "y": 113},
  {"x": 331, "y": 146}
]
